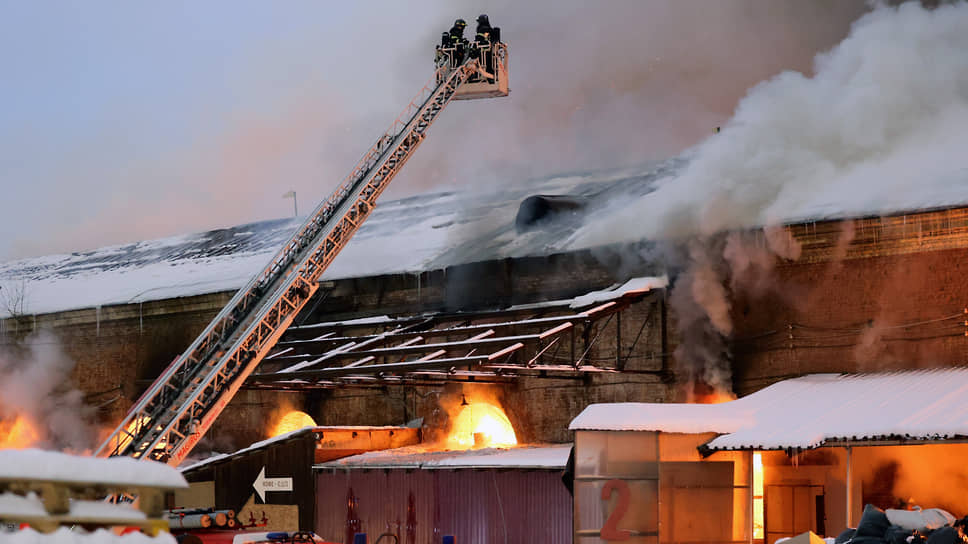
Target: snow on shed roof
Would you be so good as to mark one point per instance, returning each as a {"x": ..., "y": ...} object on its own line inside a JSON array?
[
  {"x": 523, "y": 457},
  {"x": 39, "y": 465},
  {"x": 810, "y": 411},
  {"x": 215, "y": 457}
]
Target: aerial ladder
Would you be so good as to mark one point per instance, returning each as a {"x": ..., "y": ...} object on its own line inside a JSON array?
[{"x": 182, "y": 404}]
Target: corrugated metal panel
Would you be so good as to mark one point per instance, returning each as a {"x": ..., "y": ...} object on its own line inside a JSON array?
[
  {"x": 474, "y": 505},
  {"x": 382, "y": 499},
  {"x": 806, "y": 412}
]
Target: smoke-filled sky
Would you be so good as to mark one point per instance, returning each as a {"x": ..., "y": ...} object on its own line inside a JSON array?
[
  {"x": 879, "y": 126},
  {"x": 125, "y": 121}
]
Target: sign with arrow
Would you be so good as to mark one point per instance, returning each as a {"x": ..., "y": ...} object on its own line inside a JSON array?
[{"x": 263, "y": 485}]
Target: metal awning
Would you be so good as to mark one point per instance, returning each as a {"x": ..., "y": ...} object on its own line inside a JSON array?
[{"x": 548, "y": 339}]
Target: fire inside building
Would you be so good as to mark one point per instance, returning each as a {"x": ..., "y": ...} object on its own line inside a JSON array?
[
  {"x": 541, "y": 337},
  {"x": 464, "y": 370}
]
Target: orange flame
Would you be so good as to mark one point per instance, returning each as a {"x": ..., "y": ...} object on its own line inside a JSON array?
[
  {"x": 292, "y": 421},
  {"x": 714, "y": 397},
  {"x": 758, "y": 530},
  {"x": 481, "y": 425},
  {"x": 135, "y": 426},
  {"x": 20, "y": 433}
]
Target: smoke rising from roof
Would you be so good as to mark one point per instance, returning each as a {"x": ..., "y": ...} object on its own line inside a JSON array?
[
  {"x": 878, "y": 128},
  {"x": 205, "y": 121},
  {"x": 604, "y": 85}
]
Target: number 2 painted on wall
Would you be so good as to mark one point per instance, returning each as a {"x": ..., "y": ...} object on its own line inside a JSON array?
[{"x": 610, "y": 530}]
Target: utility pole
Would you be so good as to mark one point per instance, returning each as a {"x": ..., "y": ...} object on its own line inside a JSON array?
[{"x": 295, "y": 209}]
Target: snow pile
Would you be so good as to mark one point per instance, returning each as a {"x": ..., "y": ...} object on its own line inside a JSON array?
[
  {"x": 14, "y": 506},
  {"x": 878, "y": 129},
  {"x": 66, "y": 536},
  {"x": 39, "y": 465},
  {"x": 634, "y": 285}
]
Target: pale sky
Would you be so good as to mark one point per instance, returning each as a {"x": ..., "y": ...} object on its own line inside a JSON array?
[{"x": 122, "y": 121}]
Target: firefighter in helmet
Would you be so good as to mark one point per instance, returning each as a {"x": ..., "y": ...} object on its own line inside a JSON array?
[
  {"x": 483, "y": 27},
  {"x": 444, "y": 43},
  {"x": 483, "y": 38},
  {"x": 457, "y": 41},
  {"x": 458, "y": 29}
]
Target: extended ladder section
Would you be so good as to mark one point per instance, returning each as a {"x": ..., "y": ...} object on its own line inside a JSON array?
[{"x": 181, "y": 405}]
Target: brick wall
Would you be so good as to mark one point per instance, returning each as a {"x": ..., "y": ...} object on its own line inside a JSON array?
[{"x": 866, "y": 294}]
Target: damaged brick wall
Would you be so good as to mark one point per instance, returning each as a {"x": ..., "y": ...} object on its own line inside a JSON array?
[{"x": 866, "y": 295}]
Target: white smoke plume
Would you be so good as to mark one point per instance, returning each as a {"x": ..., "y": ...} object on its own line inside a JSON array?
[
  {"x": 35, "y": 387},
  {"x": 879, "y": 127}
]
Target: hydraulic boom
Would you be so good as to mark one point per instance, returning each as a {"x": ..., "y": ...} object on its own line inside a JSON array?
[{"x": 183, "y": 403}]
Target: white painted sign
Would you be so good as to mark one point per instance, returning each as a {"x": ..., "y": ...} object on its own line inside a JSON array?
[{"x": 263, "y": 485}]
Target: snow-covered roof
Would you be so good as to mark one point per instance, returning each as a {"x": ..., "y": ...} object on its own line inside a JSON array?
[
  {"x": 632, "y": 286},
  {"x": 412, "y": 457},
  {"x": 40, "y": 465},
  {"x": 809, "y": 411},
  {"x": 424, "y": 232},
  {"x": 278, "y": 438}
]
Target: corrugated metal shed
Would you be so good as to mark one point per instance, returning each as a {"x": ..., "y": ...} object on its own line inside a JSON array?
[
  {"x": 290, "y": 455},
  {"x": 810, "y": 411},
  {"x": 422, "y": 498}
]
